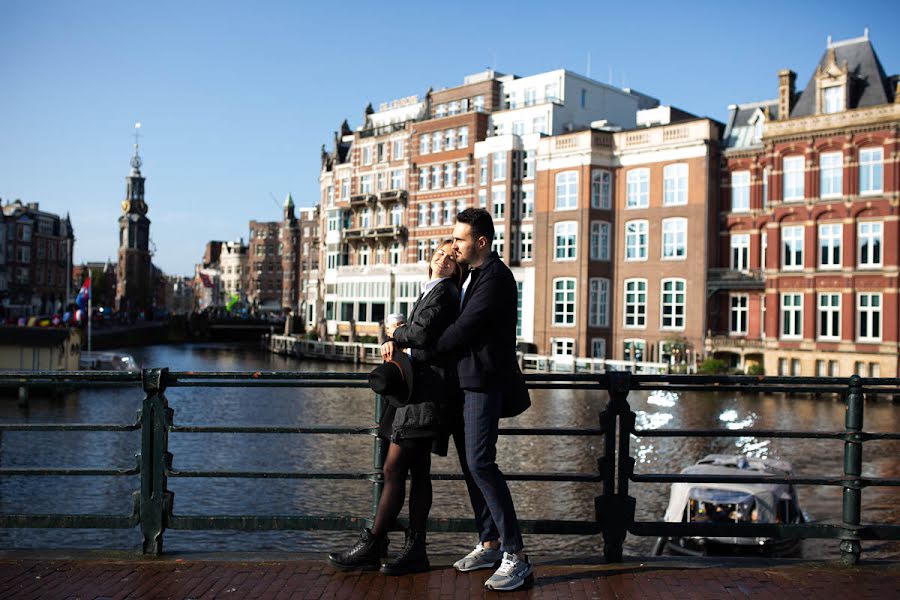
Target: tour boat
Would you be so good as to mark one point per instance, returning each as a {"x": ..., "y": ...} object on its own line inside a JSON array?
[
  {"x": 733, "y": 503},
  {"x": 107, "y": 361}
]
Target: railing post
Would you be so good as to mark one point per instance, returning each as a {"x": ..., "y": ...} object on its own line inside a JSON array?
[
  {"x": 614, "y": 509},
  {"x": 155, "y": 500},
  {"x": 853, "y": 446},
  {"x": 379, "y": 452}
]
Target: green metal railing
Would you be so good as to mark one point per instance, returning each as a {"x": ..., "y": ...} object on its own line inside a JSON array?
[{"x": 153, "y": 506}]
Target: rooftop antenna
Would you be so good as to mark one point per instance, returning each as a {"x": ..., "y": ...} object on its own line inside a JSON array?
[{"x": 271, "y": 195}]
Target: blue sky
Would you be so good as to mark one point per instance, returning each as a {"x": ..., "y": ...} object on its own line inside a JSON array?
[{"x": 236, "y": 98}]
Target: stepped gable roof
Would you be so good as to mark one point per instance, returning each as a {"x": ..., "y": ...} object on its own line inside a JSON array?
[{"x": 870, "y": 87}]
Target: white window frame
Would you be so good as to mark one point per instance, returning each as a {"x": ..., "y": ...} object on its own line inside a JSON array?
[
  {"x": 791, "y": 316},
  {"x": 872, "y": 315},
  {"x": 463, "y": 137},
  {"x": 637, "y": 188},
  {"x": 634, "y": 306},
  {"x": 527, "y": 195},
  {"x": 526, "y": 243},
  {"x": 828, "y": 316},
  {"x": 601, "y": 189},
  {"x": 792, "y": 260},
  {"x": 831, "y": 175},
  {"x": 566, "y": 197},
  {"x": 498, "y": 166},
  {"x": 793, "y": 172},
  {"x": 832, "y": 99},
  {"x": 498, "y": 204},
  {"x": 636, "y": 240},
  {"x": 567, "y": 345},
  {"x": 598, "y": 302},
  {"x": 425, "y": 143},
  {"x": 739, "y": 245},
  {"x": 565, "y": 241},
  {"x": 600, "y": 240},
  {"x": 674, "y": 238},
  {"x": 677, "y": 304},
  {"x": 738, "y": 309},
  {"x": 740, "y": 191},
  {"x": 598, "y": 348},
  {"x": 869, "y": 241},
  {"x": 461, "y": 170},
  {"x": 675, "y": 184},
  {"x": 564, "y": 301},
  {"x": 830, "y": 241},
  {"x": 871, "y": 171}
]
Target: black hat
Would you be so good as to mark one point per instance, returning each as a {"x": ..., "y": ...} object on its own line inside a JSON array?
[{"x": 393, "y": 378}]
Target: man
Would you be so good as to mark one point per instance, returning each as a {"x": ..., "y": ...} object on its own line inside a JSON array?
[{"x": 484, "y": 340}]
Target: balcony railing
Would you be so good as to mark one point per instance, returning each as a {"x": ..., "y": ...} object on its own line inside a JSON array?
[
  {"x": 362, "y": 199},
  {"x": 382, "y": 130},
  {"x": 733, "y": 279},
  {"x": 393, "y": 196},
  {"x": 154, "y": 509},
  {"x": 375, "y": 232}
]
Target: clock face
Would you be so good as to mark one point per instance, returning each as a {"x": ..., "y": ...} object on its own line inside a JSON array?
[{"x": 125, "y": 205}]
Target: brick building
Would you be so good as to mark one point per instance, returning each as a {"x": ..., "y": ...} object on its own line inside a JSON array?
[
  {"x": 35, "y": 260},
  {"x": 809, "y": 242}
]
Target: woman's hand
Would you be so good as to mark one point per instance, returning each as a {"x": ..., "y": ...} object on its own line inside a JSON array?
[{"x": 387, "y": 350}]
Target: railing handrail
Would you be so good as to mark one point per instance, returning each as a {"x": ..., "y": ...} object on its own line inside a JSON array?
[{"x": 615, "y": 509}]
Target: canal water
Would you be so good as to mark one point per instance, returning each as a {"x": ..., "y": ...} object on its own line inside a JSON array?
[{"x": 304, "y": 406}]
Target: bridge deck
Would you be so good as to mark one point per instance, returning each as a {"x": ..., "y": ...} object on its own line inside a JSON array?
[{"x": 106, "y": 575}]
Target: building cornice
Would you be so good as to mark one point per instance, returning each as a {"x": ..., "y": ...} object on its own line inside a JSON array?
[{"x": 884, "y": 114}]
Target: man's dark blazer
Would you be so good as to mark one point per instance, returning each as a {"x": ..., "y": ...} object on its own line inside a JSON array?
[{"x": 483, "y": 338}]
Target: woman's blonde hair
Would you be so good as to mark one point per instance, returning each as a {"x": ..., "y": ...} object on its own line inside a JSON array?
[{"x": 461, "y": 270}]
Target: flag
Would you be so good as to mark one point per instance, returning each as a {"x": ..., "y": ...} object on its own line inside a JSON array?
[{"x": 84, "y": 294}]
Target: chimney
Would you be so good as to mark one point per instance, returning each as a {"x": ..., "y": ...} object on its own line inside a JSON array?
[{"x": 786, "y": 79}]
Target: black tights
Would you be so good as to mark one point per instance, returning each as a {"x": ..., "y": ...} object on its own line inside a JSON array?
[{"x": 414, "y": 458}]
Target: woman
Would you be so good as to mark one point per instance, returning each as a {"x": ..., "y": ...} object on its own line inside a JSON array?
[{"x": 416, "y": 428}]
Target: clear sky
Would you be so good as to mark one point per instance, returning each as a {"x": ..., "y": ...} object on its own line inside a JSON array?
[{"x": 236, "y": 98}]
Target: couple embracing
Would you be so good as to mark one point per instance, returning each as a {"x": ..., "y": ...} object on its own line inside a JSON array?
[{"x": 462, "y": 376}]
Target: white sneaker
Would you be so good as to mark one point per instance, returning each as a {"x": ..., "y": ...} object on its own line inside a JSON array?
[
  {"x": 479, "y": 558},
  {"x": 514, "y": 572}
]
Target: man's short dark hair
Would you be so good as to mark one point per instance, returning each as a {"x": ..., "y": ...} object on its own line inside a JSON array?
[{"x": 479, "y": 220}]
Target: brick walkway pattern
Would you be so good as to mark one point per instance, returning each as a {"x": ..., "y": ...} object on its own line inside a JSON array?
[{"x": 120, "y": 579}]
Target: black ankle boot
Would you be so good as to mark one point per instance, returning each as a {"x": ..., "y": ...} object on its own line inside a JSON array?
[
  {"x": 412, "y": 558},
  {"x": 365, "y": 555}
]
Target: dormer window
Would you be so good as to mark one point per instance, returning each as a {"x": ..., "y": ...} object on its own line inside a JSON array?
[{"x": 833, "y": 99}]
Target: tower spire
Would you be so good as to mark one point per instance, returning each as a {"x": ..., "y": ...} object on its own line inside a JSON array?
[{"x": 136, "y": 159}]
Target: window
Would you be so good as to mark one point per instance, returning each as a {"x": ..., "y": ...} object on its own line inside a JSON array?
[
  {"x": 367, "y": 155},
  {"x": 598, "y": 302},
  {"x": 422, "y": 251},
  {"x": 674, "y": 246},
  {"x": 829, "y": 316},
  {"x": 636, "y": 303},
  {"x": 792, "y": 248},
  {"x": 563, "y": 346},
  {"x": 539, "y": 124},
  {"x": 833, "y": 99},
  {"x": 636, "y": 240},
  {"x": 526, "y": 243},
  {"x": 449, "y": 175},
  {"x": 675, "y": 179},
  {"x": 868, "y": 317},
  {"x": 672, "y": 304},
  {"x": 365, "y": 184},
  {"x": 528, "y": 164},
  {"x": 461, "y": 173},
  {"x": 449, "y": 139},
  {"x": 395, "y": 253},
  {"x": 567, "y": 190},
  {"x": 564, "y": 301},
  {"x": 739, "y": 310},
  {"x": 396, "y": 215},
  {"x": 453, "y": 108},
  {"x": 423, "y": 215},
  {"x": 527, "y": 203},
  {"x": 498, "y": 163},
  {"x": 365, "y": 217},
  {"x": 363, "y": 255},
  {"x": 478, "y": 103},
  {"x": 634, "y": 350},
  {"x": 765, "y": 186},
  {"x": 598, "y": 348},
  {"x": 763, "y": 249},
  {"x": 380, "y": 182},
  {"x": 599, "y": 240},
  {"x": 345, "y": 188},
  {"x": 482, "y": 198},
  {"x": 740, "y": 251},
  {"x": 601, "y": 184},
  {"x": 830, "y": 245},
  {"x": 870, "y": 170},
  {"x": 518, "y": 127},
  {"x": 435, "y": 213},
  {"x": 423, "y": 179},
  {"x": 449, "y": 214},
  {"x": 397, "y": 150},
  {"x": 463, "y": 134},
  {"x": 397, "y": 179},
  {"x": 436, "y": 177},
  {"x": 498, "y": 244},
  {"x": 869, "y": 243},
  {"x": 498, "y": 203},
  {"x": 831, "y": 174},
  {"x": 740, "y": 191},
  {"x": 793, "y": 177},
  {"x": 483, "y": 170},
  {"x": 791, "y": 316},
  {"x": 637, "y": 188},
  {"x": 566, "y": 239}
]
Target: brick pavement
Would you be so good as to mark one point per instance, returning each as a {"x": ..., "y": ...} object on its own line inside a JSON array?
[{"x": 97, "y": 576}]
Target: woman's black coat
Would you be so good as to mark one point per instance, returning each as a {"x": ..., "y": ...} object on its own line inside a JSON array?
[{"x": 432, "y": 410}]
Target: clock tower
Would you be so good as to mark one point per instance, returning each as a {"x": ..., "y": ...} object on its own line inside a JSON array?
[{"x": 134, "y": 288}]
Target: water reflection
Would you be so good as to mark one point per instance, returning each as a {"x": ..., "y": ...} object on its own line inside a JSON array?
[{"x": 293, "y": 452}]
